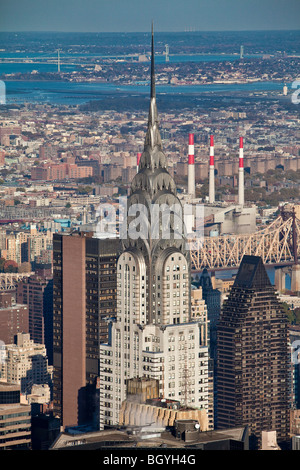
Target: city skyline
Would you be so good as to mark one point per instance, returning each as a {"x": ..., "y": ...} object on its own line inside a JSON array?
[
  {"x": 149, "y": 269},
  {"x": 168, "y": 15}
]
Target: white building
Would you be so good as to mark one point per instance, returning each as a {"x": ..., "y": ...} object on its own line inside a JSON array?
[
  {"x": 25, "y": 364},
  {"x": 154, "y": 334}
]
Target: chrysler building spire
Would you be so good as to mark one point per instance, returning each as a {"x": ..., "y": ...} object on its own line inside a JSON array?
[
  {"x": 154, "y": 186},
  {"x": 153, "y": 138},
  {"x": 153, "y": 156}
]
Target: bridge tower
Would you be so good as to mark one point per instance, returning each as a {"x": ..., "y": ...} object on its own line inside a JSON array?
[
  {"x": 167, "y": 53},
  {"x": 58, "y": 60}
]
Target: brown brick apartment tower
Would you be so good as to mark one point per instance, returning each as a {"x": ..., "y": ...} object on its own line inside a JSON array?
[
  {"x": 253, "y": 371},
  {"x": 84, "y": 295}
]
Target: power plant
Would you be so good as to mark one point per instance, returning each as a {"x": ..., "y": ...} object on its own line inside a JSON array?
[{"x": 220, "y": 217}]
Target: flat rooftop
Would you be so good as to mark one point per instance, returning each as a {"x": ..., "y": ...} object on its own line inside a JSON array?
[{"x": 152, "y": 438}]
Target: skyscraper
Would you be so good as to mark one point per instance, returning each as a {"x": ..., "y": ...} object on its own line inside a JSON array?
[
  {"x": 37, "y": 293},
  {"x": 212, "y": 298},
  {"x": 253, "y": 357},
  {"x": 13, "y": 318},
  {"x": 84, "y": 294},
  {"x": 154, "y": 335}
]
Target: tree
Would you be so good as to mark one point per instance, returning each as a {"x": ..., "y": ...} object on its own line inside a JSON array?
[
  {"x": 297, "y": 315},
  {"x": 2, "y": 261},
  {"x": 292, "y": 314},
  {"x": 10, "y": 266},
  {"x": 85, "y": 189},
  {"x": 25, "y": 267}
]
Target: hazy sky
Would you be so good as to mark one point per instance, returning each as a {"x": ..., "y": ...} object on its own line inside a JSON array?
[{"x": 136, "y": 15}]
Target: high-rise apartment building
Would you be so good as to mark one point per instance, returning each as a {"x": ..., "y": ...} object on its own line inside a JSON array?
[
  {"x": 15, "y": 419},
  {"x": 84, "y": 296},
  {"x": 254, "y": 362},
  {"x": 37, "y": 293},
  {"x": 199, "y": 311},
  {"x": 198, "y": 306},
  {"x": 22, "y": 246},
  {"x": 25, "y": 363},
  {"x": 154, "y": 335},
  {"x": 14, "y": 317}
]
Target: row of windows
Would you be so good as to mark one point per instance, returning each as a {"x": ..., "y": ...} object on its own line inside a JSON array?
[
  {"x": 13, "y": 415},
  {"x": 13, "y": 423},
  {"x": 176, "y": 267},
  {"x": 181, "y": 347}
]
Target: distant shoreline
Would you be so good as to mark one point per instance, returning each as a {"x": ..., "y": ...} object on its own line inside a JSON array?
[
  {"x": 116, "y": 97},
  {"x": 118, "y": 85}
]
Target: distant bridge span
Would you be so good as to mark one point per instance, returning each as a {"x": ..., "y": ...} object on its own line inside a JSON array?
[{"x": 276, "y": 244}]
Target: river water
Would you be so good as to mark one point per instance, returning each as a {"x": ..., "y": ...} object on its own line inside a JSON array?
[
  {"x": 229, "y": 273},
  {"x": 73, "y": 93}
]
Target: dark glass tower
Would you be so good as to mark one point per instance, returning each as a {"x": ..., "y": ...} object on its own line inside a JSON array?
[
  {"x": 84, "y": 296},
  {"x": 253, "y": 357},
  {"x": 212, "y": 299}
]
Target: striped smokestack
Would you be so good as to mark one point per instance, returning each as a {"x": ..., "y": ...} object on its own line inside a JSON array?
[
  {"x": 138, "y": 161},
  {"x": 211, "y": 171},
  {"x": 191, "y": 167},
  {"x": 241, "y": 172}
]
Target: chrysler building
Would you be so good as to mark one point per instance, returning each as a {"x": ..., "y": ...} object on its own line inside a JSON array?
[{"x": 154, "y": 334}]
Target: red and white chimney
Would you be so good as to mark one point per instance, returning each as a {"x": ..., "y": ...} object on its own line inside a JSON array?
[
  {"x": 241, "y": 173},
  {"x": 138, "y": 161},
  {"x": 191, "y": 167},
  {"x": 211, "y": 171}
]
